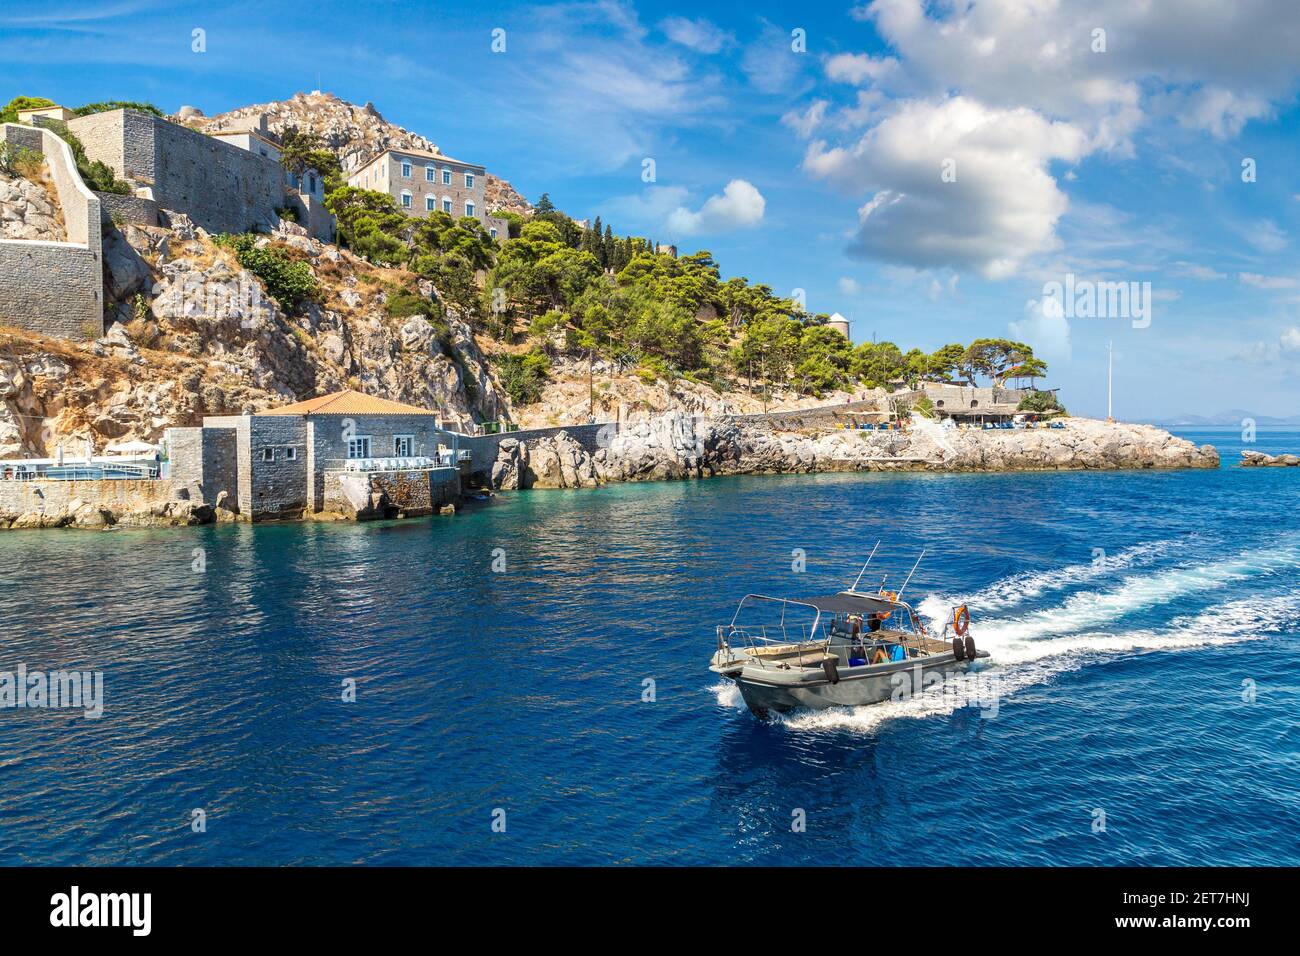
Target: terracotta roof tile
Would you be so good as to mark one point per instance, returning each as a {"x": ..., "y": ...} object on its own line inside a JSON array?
[{"x": 348, "y": 402}]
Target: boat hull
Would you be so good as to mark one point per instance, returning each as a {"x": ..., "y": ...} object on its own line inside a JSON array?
[{"x": 770, "y": 690}]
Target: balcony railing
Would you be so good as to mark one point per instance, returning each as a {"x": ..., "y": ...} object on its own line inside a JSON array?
[
  {"x": 78, "y": 472},
  {"x": 444, "y": 459}
]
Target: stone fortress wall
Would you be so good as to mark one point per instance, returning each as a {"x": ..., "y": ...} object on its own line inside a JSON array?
[
  {"x": 55, "y": 288},
  {"x": 221, "y": 187}
]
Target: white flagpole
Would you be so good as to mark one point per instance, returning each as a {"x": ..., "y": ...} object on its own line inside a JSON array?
[{"x": 1110, "y": 380}]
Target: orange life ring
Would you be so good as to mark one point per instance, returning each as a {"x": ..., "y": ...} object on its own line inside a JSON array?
[
  {"x": 961, "y": 620},
  {"x": 890, "y": 596}
]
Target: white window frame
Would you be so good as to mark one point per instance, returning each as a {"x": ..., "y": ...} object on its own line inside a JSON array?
[
  {"x": 430, "y": 203},
  {"x": 469, "y": 208},
  {"x": 291, "y": 454},
  {"x": 493, "y": 231},
  {"x": 406, "y": 169},
  {"x": 406, "y": 199},
  {"x": 469, "y": 180},
  {"x": 446, "y": 205},
  {"x": 359, "y": 446},
  {"x": 446, "y": 176},
  {"x": 430, "y": 174},
  {"x": 268, "y": 454},
  {"x": 398, "y": 441}
]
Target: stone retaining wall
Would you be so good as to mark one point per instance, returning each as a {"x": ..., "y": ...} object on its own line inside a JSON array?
[
  {"x": 484, "y": 447},
  {"x": 55, "y": 288},
  {"x": 137, "y": 209},
  {"x": 48, "y": 497},
  {"x": 218, "y": 185}
]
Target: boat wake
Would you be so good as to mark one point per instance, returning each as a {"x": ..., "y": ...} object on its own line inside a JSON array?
[
  {"x": 1027, "y": 585},
  {"x": 1035, "y": 647}
]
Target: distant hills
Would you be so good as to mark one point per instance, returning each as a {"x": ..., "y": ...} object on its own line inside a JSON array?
[{"x": 1232, "y": 418}]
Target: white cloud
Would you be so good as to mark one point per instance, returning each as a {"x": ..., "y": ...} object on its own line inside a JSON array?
[
  {"x": 849, "y": 286},
  {"x": 806, "y": 123},
  {"x": 1002, "y": 207},
  {"x": 770, "y": 63},
  {"x": 1009, "y": 88},
  {"x": 1194, "y": 271},
  {"x": 1268, "y": 282},
  {"x": 858, "y": 68},
  {"x": 700, "y": 35},
  {"x": 1287, "y": 347},
  {"x": 1214, "y": 66},
  {"x": 602, "y": 92},
  {"x": 1044, "y": 327},
  {"x": 1220, "y": 112},
  {"x": 1265, "y": 235},
  {"x": 738, "y": 206},
  {"x": 648, "y": 207}
]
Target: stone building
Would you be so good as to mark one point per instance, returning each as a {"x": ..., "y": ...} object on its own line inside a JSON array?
[
  {"x": 424, "y": 182},
  {"x": 305, "y": 192},
  {"x": 221, "y": 185},
  {"x": 967, "y": 402},
  {"x": 29, "y": 116},
  {"x": 55, "y": 287},
  {"x": 346, "y": 454}
]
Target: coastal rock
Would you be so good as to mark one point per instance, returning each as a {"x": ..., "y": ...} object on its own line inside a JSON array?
[
  {"x": 511, "y": 463},
  {"x": 27, "y": 211},
  {"x": 1257, "y": 459},
  {"x": 677, "y": 445},
  {"x": 125, "y": 272},
  {"x": 560, "y": 462}
]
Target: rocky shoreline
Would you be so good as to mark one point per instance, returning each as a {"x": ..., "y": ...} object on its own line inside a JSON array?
[
  {"x": 1257, "y": 459},
  {"x": 677, "y": 446}
]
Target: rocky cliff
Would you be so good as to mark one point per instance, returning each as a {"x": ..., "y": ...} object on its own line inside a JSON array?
[
  {"x": 678, "y": 446},
  {"x": 356, "y": 134},
  {"x": 196, "y": 334},
  {"x": 30, "y": 210}
]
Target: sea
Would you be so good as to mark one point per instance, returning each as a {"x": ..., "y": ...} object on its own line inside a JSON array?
[{"x": 527, "y": 682}]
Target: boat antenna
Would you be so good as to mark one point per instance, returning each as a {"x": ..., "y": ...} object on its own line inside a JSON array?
[
  {"x": 864, "y": 568},
  {"x": 910, "y": 573}
]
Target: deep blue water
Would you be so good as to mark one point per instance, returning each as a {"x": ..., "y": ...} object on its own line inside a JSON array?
[{"x": 1121, "y": 673}]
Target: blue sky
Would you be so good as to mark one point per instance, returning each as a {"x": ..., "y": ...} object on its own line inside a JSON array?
[{"x": 926, "y": 169}]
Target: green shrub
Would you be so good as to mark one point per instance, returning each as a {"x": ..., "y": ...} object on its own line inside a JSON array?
[
  {"x": 9, "y": 113},
  {"x": 523, "y": 376},
  {"x": 109, "y": 105},
  {"x": 1041, "y": 402},
  {"x": 405, "y": 303},
  {"x": 289, "y": 282},
  {"x": 20, "y": 161}
]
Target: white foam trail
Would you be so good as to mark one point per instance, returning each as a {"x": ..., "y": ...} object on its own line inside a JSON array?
[
  {"x": 1091, "y": 609},
  {"x": 728, "y": 695},
  {"x": 1027, "y": 585},
  {"x": 1018, "y": 665}
]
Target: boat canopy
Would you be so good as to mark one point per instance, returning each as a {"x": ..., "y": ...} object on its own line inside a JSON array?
[{"x": 851, "y": 602}]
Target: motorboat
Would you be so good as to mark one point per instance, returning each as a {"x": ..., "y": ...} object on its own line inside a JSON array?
[{"x": 846, "y": 649}]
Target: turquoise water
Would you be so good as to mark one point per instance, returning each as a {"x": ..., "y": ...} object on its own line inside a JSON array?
[{"x": 1120, "y": 675}]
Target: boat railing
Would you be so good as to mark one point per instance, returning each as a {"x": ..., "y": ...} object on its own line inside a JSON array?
[{"x": 752, "y": 638}]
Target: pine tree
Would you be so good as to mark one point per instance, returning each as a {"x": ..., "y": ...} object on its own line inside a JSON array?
[{"x": 544, "y": 205}]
